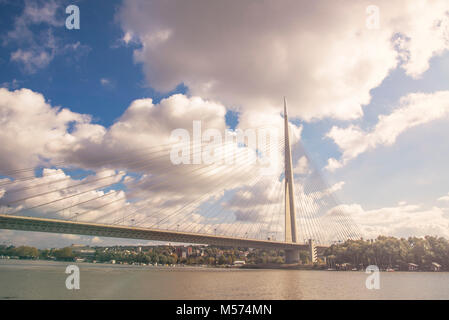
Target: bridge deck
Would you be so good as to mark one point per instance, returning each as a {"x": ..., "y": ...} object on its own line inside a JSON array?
[{"x": 115, "y": 231}]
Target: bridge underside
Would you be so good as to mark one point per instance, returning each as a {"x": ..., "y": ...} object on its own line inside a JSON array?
[{"x": 91, "y": 229}]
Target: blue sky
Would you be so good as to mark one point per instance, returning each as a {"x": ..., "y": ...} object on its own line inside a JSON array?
[
  {"x": 94, "y": 71},
  {"x": 74, "y": 80}
]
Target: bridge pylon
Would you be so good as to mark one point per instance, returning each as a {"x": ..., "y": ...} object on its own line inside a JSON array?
[
  {"x": 290, "y": 213},
  {"x": 312, "y": 252},
  {"x": 291, "y": 256}
]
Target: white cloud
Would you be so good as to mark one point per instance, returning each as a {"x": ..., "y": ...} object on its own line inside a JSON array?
[
  {"x": 30, "y": 128},
  {"x": 444, "y": 198},
  {"x": 71, "y": 236},
  {"x": 33, "y": 34},
  {"x": 97, "y": 240},
  {"x": 249, "y": 54},
  {"x": 47, "y": 13},
  {"x": 49, "y": 240},
  {"x": 332, "y": 189},
  {"x": 61, "y": 192},
  {"x": 427, "y": 34},
  {"x": 127, "y": 37},
  {"x": 302, "y": 166},
  {"x": 403, "y": 220},
  {"x": 32, "y": 59},
  {"x": 33, "y": 130},
  {"x": 333, "y": 164},
  {"x": 14, "y": 84},
  {"x": 33, "y": 14},
  {"x": 415, "y": 109},
  {"x": 105, "y": 82}
]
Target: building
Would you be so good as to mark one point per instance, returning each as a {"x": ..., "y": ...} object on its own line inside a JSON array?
[
  {"x": 344, "y": 266},
  {"x": 412, "y": 267},
  {"x": 82, "y": 251},
  {"x": 435, "y": 266},
  {"x": 239, "y": 263},
  {"x": 183, "y": 252}
]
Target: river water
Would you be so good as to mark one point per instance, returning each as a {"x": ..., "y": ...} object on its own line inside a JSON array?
[{"x": 21, "y": 279}]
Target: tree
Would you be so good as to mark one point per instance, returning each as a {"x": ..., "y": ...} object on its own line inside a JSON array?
[
  {"x": 44, "y": 254},
  {"x": 221, "y": 260},
  {"x": 392, "y": 252},
  {"x": 171, "y": 260},
  {"x": 162, "y": 259},
  {"x": 25, "y": 252},
  {"x": 64, "y": 254}
]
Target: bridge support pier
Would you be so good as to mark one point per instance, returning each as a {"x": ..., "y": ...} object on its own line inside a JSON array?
[
  {"x": 291, "y": 256},
  {"x": 312, "y": 252}
]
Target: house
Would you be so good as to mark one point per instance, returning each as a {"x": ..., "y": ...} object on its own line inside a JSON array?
[
  {"x": 412, "y": 267},
  {"x": 183, "y": 252},
  {"x": 344, "y": 266},
  {"x": 435, "y": 266},
  {"x": 83, "y": 252}
]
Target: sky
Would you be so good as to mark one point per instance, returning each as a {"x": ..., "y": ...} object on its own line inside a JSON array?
[{"x": 367, "y": 94}]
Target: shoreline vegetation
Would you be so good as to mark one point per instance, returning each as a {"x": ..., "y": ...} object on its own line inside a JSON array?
[
  {"x": 427, "y": 253},
  {"x": 388, "y": 253}
]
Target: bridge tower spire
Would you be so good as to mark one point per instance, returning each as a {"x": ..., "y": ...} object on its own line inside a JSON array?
[
  {"x": 291, "y": 255},
  {"x": 290, "y": 213}
]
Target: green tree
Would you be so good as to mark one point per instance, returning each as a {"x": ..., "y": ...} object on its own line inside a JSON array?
[
  {"x": 64, "y": 254},
  {"x": 221, "y": 260},
  {"x": 162, "y": 259},
  {"x": 25, "y": 252}
]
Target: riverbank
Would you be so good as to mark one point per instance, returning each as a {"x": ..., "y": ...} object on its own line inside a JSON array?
[{"x": 267, "y": 266}]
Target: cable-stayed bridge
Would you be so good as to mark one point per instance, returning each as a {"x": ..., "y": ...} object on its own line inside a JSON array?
[{"x": 143, "y": 194}]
